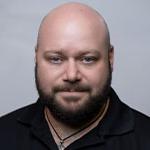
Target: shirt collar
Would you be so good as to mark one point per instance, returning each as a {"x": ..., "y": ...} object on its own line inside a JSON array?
[
  {"x": 119, "y": 118},
  {"x": 33, "y": 118}
]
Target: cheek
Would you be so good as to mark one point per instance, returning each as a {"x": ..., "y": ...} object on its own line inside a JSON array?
[
  {"x": 45, "y": 77},
  {"x": 97, "y": 77},
  {"x": 48, "y": 76}
]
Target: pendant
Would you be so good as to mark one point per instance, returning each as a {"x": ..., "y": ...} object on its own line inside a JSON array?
[{"x": 61, "y": 146}]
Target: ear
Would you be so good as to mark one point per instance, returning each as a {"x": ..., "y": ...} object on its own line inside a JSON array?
[
  {"x": 111, "y": 57},
  {"x": 36, "y": 51}
]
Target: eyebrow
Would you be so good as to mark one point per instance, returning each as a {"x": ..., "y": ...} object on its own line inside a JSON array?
[
  {"x": 54, "y": 51},
  {"x": 81, "y": 52},
  {"x": 90, "y": 51}
]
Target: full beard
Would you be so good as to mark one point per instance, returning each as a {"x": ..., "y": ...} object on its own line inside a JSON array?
[{"x": 83, "y": 114}]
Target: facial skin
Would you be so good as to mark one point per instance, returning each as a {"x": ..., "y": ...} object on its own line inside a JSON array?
[{"x": 73, "y": 63}]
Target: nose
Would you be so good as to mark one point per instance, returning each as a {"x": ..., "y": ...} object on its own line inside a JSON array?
[{"x": 72, "y": 74}]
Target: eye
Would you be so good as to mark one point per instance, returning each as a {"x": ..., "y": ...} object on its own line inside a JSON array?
[
  {"x": 89, "y": 59},
  {"x": 55, "y": 59}
]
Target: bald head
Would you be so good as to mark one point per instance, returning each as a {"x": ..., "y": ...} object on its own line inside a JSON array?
[
  {"x": 74, "y": 63},
  {"x": 72, "y": 18}
]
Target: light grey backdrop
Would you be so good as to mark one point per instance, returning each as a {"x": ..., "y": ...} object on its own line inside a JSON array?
[{"x": 129, "y": 24}]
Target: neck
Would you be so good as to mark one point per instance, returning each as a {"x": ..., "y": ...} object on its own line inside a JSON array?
[{"x": 64, "y": 131}]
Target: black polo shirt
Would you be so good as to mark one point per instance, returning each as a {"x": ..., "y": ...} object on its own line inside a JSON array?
[{"x": 122, "y": 128}]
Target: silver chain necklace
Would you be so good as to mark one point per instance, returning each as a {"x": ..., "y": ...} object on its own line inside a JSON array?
[{"x": 62, "y": 140}]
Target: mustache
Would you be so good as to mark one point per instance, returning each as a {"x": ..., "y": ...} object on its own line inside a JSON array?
[{"x": 72, "y": 88}]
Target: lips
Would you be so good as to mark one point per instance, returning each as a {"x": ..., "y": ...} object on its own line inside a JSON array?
[
  {"x": 71, "y": 93},
  {"x": 71, "y": 96},
  {"x": 71, "y": 88}
]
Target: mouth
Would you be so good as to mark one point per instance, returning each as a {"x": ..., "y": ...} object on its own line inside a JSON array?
[{"x": 72, "y": 94}]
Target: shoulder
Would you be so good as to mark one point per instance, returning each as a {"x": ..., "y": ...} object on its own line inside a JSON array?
[
  {"x": 139, "y": 135},
  {"x": 127, "y": 115},
  {"x": 10, "y": 120},
  {"x": 13, "y": 130},
  {"x": 142, "y": 121},
  {"x": 133, "y": 126},
  {"x": 142, "y": 125}
]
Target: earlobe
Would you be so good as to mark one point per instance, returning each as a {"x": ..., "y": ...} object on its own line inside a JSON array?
[
  {"x": 35, "y": 57},
  {"x": 36, "y": 48},
  {"x": 111, "y": 57}
]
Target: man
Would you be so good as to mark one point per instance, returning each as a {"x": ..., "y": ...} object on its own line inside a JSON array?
[{"x": 77, "y": 108}]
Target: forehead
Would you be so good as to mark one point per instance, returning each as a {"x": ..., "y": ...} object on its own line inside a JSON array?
[
  {"x": 72, "y": 30},
  {"x": 72, "y": 38}
]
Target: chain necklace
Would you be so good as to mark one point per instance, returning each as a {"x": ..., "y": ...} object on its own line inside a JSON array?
[{"x": 62, "y": 140}]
